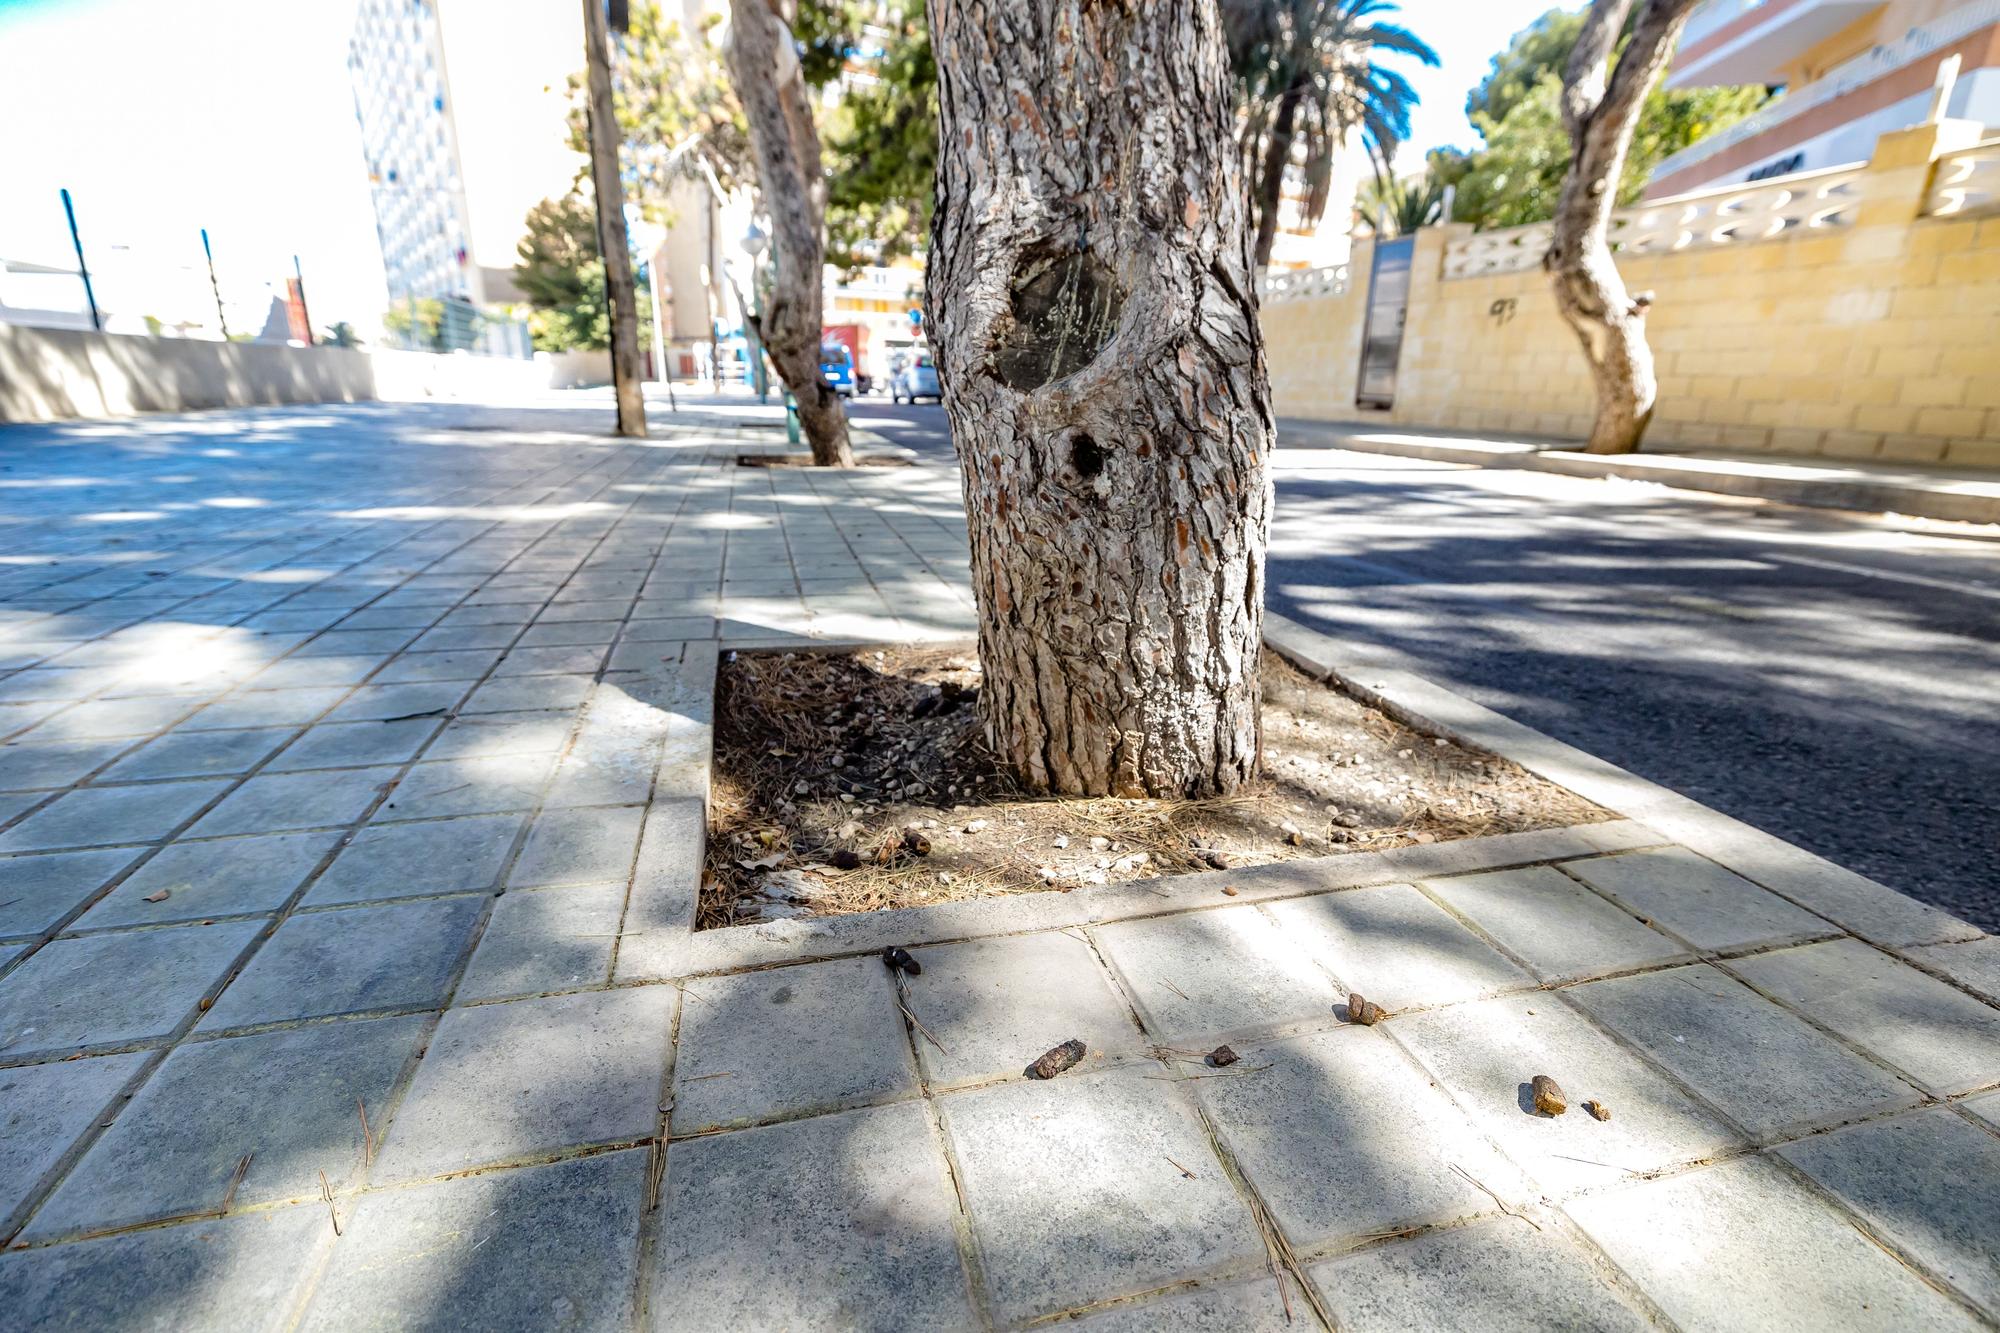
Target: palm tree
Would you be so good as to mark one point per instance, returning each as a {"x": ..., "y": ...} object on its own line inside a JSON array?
[
  {"x": 1394, "y": 207},
  {"x": 1307, "y": 75}
]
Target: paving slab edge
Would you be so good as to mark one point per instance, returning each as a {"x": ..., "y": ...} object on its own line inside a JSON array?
[{"x": 1862, "y": 906}]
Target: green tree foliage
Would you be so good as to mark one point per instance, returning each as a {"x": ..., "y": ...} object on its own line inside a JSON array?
[
  {"x": 881, "y": 140},
  {"x": 561, "y": 272},
  {"x": 676, "y": 111},
  {"x": 340, "y": 334},
  {"x": 1517, "y": 176},
  {"x": 1394, "y": 207},
  {"x": 419, "y": 322}
]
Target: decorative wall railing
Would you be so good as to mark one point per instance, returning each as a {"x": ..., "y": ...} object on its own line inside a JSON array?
[
  {"x": 1739, "y": 215},
  {"x": 1296, "y": 283},
  {"x": 1967, "y": 181}
]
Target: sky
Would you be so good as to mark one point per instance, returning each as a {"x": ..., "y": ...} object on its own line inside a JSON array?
[
  {"x": 166, "y": 116},
  {"x": 1466, "y": 34}
]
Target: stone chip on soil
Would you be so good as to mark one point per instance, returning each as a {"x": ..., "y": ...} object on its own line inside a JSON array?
[
  {"x": 1549, "y": 1096},
  {"x": 1056, "y": 1059}
]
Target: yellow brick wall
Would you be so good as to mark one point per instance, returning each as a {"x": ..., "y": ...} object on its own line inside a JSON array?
[{"x": 1878, "y": 340}]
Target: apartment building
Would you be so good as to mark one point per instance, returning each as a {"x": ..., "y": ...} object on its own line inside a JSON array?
[
  {"x": 463, "y": 124},
  {"x": 1850, "y": 70}
]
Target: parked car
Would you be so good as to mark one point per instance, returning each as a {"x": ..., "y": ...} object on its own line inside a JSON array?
[
  {"x": 836, "y": 368},
  {"x": 917, "y": 379}
]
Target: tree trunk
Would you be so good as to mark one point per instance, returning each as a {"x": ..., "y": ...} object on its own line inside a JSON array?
[
  {"x": 609, "y": 190},
  {"x": 1095, "y": 324},
  {"x": 1600, "y": 116},
  {"x": 1271, "y": 181},
  {"x": 764, "y": 66}
]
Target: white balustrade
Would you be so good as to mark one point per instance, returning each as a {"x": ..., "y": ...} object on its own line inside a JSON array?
[
  {"x": 1295, "y": 284},
  {"x": 1967, "y": 181},
  {"x": 1734, "y": 215}
]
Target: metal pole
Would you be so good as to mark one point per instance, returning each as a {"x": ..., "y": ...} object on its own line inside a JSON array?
[
  {"x": 82, "y": 269},
  {"x": 305, "y": 316},
  {"x": 215, "y": 286}
]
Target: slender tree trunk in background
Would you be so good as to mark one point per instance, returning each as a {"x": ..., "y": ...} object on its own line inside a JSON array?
[
  {"x": 1271, "y": 179},
  {"x": 1600, "y": 115},
  {"x": 1095, "y": 321},
  {"x": 626, "y": 379},
  {"x": 764, "y": 66}
]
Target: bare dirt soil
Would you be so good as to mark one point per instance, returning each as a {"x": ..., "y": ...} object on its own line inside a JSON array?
[{"x": 850, "y": 782}]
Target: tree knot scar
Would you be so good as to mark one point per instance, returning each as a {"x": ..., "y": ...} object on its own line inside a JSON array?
[
  {"x": 1086, "y": 456},
  {"x": 1064, "y": 308}
]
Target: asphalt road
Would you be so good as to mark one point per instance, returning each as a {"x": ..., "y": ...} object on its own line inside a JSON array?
[{"x": 1819, "y": 675}]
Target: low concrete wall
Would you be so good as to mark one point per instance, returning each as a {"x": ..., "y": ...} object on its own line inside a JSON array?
[{"x": 61, "y": 374}]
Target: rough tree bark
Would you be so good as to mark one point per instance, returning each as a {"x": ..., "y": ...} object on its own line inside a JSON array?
[
  {"x": 1095, "y": 322},
  {"x": 1600, "y": 114},
  {"x": 611, "y": 240},
  {"x": 764, "y": 66}
]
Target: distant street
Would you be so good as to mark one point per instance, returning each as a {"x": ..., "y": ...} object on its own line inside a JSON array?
[{"x": 1817, "y": 675}]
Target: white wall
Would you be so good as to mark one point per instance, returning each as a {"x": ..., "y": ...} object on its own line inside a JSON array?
[{"x": 60, "y": 374}]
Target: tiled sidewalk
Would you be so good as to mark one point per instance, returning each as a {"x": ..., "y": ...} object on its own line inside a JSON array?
[{"x": 350, "y": 769}]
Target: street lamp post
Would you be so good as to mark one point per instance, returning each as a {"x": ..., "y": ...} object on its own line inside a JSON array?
[{"x": 214, "y": 286}]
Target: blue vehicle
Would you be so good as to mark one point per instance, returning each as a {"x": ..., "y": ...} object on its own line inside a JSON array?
[
  {"x": 836, "y": 368},
  {"x": 917, "y": 379}
]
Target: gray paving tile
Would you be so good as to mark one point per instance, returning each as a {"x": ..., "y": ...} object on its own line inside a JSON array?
[
  {"x": 850, "y": 1218},
  {"x": 763, "y": 1044},
  {"x": 300, "y": 672},
  {"x": 198, "y": 754},
  {"x": 994, "y": 1005},
  {"x": 467, "y": 664},
  {"x": 579, "y": 847},
  {"x": 244, "y": 1272},
  {"x": 266, "y": 708},
  {"x": 386, "y": 861},
  {"x": 551, "y": 660},
  {"x": 1486, "y": 1053},
  {"x": 489, "y": 735},
  {"x": 470, "y": 787},
  {"x": 223, "y": 877},
  {"x": 1728, "y": 1247},
  {"x": 1697, "y": 899},
  {"x": 1974, "y": 964},
  {"x": 1763, "y": 1067},
  {"x": 1926, "y": 1181},
  {"x": 513, "y": 694},
  {"x": 287, "y": 1099},
  {"x": 545, "y": 940},
  {"x": 1252, "y": 1306},
  {"x": 28, "y": 765},
  {"x": 550, "y": 1246},
  {"x": 1397, "y": 947},
  {"x": 98, "y": 718},
  {"x": 1201, "y": 975},
  {"x": 355, "y": 959},
  {"x": 354, "y": 744},
  {"x": 40, "y": 890},
  {"x": 104, "y": 989},
  {"x": 1986, "y": 1106},
  {"x": 605, "y": 774},
  {"x": 504, "y": 1082},
  {"x": 1559, "y": 928},
  {"x": 1343, "y": 1136},
  {"x": 98, "y": 816},
  {"x": 1073, "y": 1196},
  {"x": 373, "y": 703},
  {"x": 1945, "y": 1039},
  {"x": 1503, "y": 1275},
  {"x": 46, "y": 1108},
  {"x": 278, "y": 802}
]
